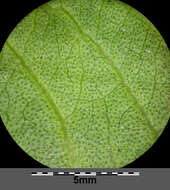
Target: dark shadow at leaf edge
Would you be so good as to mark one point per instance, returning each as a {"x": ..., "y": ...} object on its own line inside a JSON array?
[
  {"x": 12, "y": 155},
  {"x": 156, "y": 156}
]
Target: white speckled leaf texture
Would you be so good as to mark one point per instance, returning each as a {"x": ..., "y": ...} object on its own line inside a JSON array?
[{"x": 85, "y": 84}]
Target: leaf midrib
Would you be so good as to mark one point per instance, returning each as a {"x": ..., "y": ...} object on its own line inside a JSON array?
[{"x": 43, "y": 91}]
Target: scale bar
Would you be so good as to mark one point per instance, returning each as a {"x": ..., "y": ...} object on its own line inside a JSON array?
[{"x": 110, "y": 173}]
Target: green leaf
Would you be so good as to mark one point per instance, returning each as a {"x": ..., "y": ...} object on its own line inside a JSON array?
[{"x": 85, "y": 83}]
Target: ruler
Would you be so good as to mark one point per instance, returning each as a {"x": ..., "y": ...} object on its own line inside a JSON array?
[{"x": 111, "y": 173}]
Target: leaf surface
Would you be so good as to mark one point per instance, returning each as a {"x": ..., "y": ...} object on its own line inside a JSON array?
[{"x": 85, "y": 84}]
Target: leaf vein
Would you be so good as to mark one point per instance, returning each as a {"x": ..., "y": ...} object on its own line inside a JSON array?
[
  {"x": 43, "y": 91},
  {"x": 86, "y": 38}
]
